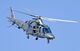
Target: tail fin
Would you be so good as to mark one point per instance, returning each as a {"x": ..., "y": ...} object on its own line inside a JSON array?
[
  {"x": 11, "y": 18},
  {"x": 12, "y": 13}
]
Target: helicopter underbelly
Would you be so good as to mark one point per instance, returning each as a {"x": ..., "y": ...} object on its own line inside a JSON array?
[{"x": 38, "y": 35}]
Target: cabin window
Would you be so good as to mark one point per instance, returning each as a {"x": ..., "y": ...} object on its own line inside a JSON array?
[
  {"x": 34, "y": 31},
  {"x": 34, "y": 27},
  {"x": 46, "y": 30}
]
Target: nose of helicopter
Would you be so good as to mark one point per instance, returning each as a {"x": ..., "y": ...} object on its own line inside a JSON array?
[{"x": 50, "y": 36}]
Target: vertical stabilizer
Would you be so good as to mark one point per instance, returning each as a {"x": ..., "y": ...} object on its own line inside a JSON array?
[{"x": 12, "y": 13}]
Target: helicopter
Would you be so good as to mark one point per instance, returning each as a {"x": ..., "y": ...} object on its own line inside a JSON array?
[{"x": 36, "y": 26}]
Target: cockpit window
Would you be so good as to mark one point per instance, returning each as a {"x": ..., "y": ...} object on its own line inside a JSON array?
[{"x": 46, "y": 30}]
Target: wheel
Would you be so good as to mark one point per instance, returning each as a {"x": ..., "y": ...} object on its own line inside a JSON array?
[
  {"x": 37, "y": 38},
  {"x": 19, "y": 27},
  {"x": 27, "y": 37},
  {"x": 48, "y": 41}
]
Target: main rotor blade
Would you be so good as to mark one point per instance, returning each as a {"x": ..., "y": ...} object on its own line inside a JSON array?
[
  {"x": 25, "y": 13},
  {"x": 45, "y": 18},
  {"x": 60, "y": 20}
]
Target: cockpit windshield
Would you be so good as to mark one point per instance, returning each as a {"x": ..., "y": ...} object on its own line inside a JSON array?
[{"x": 46, "y": 30}]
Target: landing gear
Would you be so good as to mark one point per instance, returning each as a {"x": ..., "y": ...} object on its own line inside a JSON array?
[
  {"x": 36, "y": 38},
  {"x": 48, "y": 41},
  {"x": 19, "y": 27},
  {"x": 27, "y": 36},
  {"x": 23, "y": 30}
]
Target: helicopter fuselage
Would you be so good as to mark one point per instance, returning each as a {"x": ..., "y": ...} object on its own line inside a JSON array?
[{"x": 34, "y": 27}]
